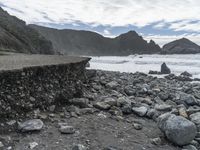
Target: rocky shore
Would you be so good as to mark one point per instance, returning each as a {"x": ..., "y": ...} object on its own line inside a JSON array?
[{"x": 116, "y": 111}]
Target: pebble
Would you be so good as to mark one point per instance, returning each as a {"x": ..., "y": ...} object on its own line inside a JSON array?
[
  {"x": 137, "y": 126},
  {"x": 33, "y": 145},
  {"x": 156, "y": 141},
  {"x": 102, "y": 106},
  {"x": 79, "y": 147},
  {"x": 66, "y": 129}
]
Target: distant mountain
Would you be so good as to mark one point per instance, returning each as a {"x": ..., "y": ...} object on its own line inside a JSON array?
[
  {"x": 74, "y": 42},
  {"x": 16, "y": 36},
  {"x": 181, "y": 46}
]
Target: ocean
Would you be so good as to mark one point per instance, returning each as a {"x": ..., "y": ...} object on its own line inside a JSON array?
[{"x": 144, "y": 63}]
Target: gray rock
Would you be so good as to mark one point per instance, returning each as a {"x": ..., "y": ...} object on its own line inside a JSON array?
[
  {"x": 111, "y": 148},
  {"x": 31, "y": 125},
  {"x": 110, "y": 101},
  {"x": 152, "y": 113},
  {"x": 1, "y": 145},
  {"x": 141, "y": 111},
  {"x": 81, "y": 102},
  {"x": 185, "y": 73},
  {"x": 156, "y": 141},
  {"x": 65, "y": 129},
  {"x": 165, "y": 69},
  {"x": 137, "y": 126},
  {"x": 79, "y": 147},
  {"x": 127, "y": 109},
  {"x": 189, "y": 147},
  {"x": 195, "y": 118},
  {"x": 163, "y": 107},
  {"x": 177, "y": 129},
  {"x": 102, "y": 106},
  {"x": 112, "y": 84}
]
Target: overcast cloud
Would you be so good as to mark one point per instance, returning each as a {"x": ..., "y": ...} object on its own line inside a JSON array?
[{"x": 180, "y": 17}]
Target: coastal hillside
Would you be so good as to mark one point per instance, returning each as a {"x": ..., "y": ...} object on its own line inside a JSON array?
[
  {"x": 16, "y": 36},
  {"x": 74, "y": 42},
  {"x": 181, "y": 46}
]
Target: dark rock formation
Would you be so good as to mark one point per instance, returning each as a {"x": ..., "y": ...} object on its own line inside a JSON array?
[
  {"x": 75, "y": 42},
  {"x": 181, "y": 46},
  {"x": 16, "y": 36},
  {"x": 165, "y": 69}
]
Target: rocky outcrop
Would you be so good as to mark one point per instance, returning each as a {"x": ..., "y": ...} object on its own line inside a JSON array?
[
  {"x": 16, "y": 36},
  {"x": 75, "y": 42},
  {"x": 165, "y": 69},
  {"x": 181, "y": 46}
]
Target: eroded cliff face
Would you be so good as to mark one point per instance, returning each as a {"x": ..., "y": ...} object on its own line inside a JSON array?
[
  {"x": 39, "y": 86},
  {"x": 16, "y": 36}
]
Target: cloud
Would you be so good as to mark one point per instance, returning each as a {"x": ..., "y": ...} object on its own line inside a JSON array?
[
  {"x": 160, "y": 16},
  {"x": 105, "y": 12}
]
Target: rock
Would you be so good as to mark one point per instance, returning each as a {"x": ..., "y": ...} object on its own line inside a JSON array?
[
  {"x": 102, "y": 106},
  {"x": 182, "y": 112},
  {"x": 86, "y": 111},
  {"x": 152, "y": 113},
  {"x": 81, "y": 102},
  {"x": 130, "y": 91},
  {"x": 65, "y": 129},
  {"x": 52, "y": 108},
  {"x": 79, "y": 147},
  {"x": 164, "y": 96},
  {"x": 141, "y": 111},
  {"x": 137, "y": 126},
  {"x": 31, "y": 125},
  {"x": 189, "y": 147},
  {"x": 156, "y": 141},
  {"x": 33, "y": 145},
  {"x": 177, "y": 129},
  {"x": 195, "y": 118},
  {"x": 121, "y": 101},
  {"x": 111, "y": 148},
  {"x": 192, "y": 110},
  {"x": 153, "y": 72},
  {"x": 187, "y": 74},
  {"x": 112, "y": 85},
  {"x": 110, "y": 101},
  {"x": 165, "y": 69},
  {"x": 1, "y": 144},
  {"x": 163, "y": 107},
  {"x": 127, "y": 109}
]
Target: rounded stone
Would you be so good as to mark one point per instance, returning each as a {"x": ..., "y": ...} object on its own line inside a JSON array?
[{"x": 177, "y": 129}]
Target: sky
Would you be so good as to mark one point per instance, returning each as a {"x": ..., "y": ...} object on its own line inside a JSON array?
[{"x": 160, "y": 20}]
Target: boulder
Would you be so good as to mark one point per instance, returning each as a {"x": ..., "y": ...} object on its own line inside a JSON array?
[
  {"x": 165, "y": 69},
  {"x": 177, "y": 129}
]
